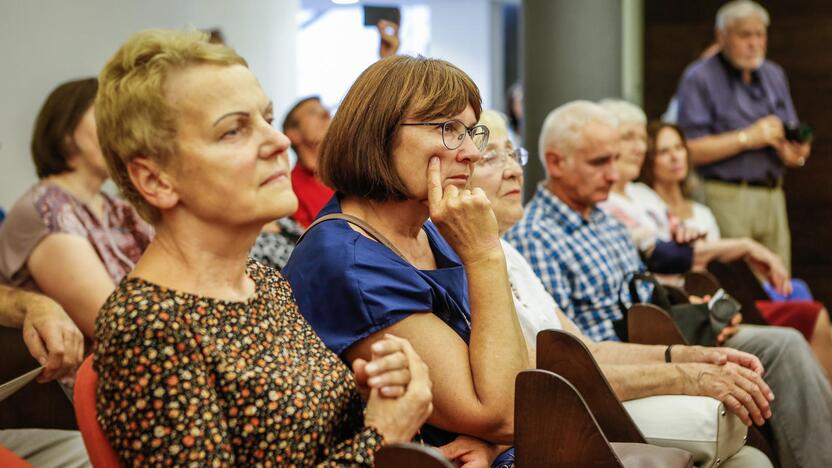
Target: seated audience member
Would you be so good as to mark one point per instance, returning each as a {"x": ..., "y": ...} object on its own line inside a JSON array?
[
  {"x": 440, "y": 283},
  {"x": 633, "y": 371},
  {"x": 202, "y": 355},
  {"x": 584, "y": 257},
  {"x": 276, "y": 242},
  {"x": 55, "y": 342},
  {"x": 666, "y": 171},
  {"x": 669, "y": 248},
  {"x": 66, "y": 237},
  {"x": 306, "y": 124}
]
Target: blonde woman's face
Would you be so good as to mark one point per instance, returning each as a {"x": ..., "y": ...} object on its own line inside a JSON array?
[
  {"x": 501, "y": 178},
  {"x": 633, "y": 148},
  {"x": 231, "y": 166}
]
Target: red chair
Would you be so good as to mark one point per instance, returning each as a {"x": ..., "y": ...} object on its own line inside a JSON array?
[
  {"x": 9, "y": 459},
  {"x": 98, "y": 448}
]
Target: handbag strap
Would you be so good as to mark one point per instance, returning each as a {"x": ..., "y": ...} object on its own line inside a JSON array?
[
  {"x": 377, "y": 236},
  {"x": 660, "y": 295}
]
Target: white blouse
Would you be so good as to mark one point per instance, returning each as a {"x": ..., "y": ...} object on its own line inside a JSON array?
[{"x": 534, "y": 305}]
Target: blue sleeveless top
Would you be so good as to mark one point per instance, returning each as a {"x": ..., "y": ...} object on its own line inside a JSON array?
[{"x": 348, "y": 287}]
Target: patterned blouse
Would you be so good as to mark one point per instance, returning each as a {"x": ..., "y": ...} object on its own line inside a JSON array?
[
  {"x": 274, "y": 248},
  {"x": 189, "y": 380},
  {"x": 119, "y": 237}
]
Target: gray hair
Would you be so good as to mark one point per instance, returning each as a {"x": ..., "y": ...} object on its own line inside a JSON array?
[
  {"x": 626, "y": 112},
  {"x": 737, "y": 10},
  {"x": 562, "y": 129}
]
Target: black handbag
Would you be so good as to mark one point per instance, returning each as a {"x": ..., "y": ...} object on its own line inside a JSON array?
[{"x": 700, "y": 324}]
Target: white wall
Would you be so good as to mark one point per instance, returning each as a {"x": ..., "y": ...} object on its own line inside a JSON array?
[
  {"x": 46, "y": 42},
  {"x": 461, "y": 32}
]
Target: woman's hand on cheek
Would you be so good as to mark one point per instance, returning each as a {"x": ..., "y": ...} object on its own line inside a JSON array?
[{"x": 464, "y": 217}]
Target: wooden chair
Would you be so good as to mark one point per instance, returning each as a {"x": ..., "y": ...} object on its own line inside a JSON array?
[
  {"x": 701, "y": 283},
  {"x": 650, "y": 325},
  {"x": 36, "y": 405},
  {"x": 564, "y": 354},
  {"x": 554, "y": 427},
  {"x": 409, "y": 455}
]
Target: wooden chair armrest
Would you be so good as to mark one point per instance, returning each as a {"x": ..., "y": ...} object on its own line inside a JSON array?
[
  {"x": 648, "y": 324},
  {"x": 564, "y": 354}
]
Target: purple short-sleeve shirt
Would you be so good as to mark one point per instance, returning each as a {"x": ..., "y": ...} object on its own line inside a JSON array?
[{"x": 713, "y": 99}]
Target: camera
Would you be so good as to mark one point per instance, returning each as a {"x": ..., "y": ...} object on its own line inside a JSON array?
[
  {"x": 722, "y": 309},
  {"x": 800, "y": 132}
]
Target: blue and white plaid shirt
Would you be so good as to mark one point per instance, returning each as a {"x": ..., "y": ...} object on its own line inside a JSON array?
[{"x": 584, "y": 264}]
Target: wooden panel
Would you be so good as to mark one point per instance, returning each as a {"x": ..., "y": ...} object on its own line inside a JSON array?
[{"x": 676, "y": 31}]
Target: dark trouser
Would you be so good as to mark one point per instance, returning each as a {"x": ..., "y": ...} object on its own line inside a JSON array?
[{"x": 802, "y": 407}]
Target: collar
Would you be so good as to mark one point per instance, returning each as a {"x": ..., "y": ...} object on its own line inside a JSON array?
[
  {"x": 736, "y": 72},
  {"x": 561, "y": 213}
]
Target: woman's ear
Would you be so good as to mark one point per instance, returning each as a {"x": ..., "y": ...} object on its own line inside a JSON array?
[{"x": 153, "y": 183}]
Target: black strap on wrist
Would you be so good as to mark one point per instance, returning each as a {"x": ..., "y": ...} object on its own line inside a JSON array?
[{"x": 667, "y": 353}]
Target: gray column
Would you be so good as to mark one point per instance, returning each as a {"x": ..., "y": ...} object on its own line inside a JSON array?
[{"x": 571, "y": 50}]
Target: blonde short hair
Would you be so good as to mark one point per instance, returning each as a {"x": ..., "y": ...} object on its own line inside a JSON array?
[
  {"x": 626, "y": 112},
  {"x": 496, "y": 122},
  {"x": 132, "y": 112}
]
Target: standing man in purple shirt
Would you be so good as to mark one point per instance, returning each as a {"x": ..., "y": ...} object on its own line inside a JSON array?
[{"x": 733, "y": 108}]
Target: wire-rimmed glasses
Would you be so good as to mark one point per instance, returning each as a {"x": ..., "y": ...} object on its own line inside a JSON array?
[
  {"x": 454, "y": 131},
  {"x": 497, "y": 157}
]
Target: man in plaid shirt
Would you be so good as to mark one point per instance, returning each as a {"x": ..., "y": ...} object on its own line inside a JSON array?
[{"x": 584, "y": 258}]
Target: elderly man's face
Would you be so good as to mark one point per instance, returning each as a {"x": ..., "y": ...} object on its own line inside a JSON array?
[
  {"x": 586, "y": 176},
  {"x": 744, "y": 43}
]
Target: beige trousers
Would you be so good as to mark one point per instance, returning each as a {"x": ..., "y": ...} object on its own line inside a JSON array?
[{"x": 743, "y": 210}]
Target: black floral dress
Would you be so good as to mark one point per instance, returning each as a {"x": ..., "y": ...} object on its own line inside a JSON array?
[{"x": 187, "y": 380}]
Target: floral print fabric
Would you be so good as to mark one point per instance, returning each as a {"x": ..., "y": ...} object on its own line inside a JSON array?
[{"x": 189, "y": 380}]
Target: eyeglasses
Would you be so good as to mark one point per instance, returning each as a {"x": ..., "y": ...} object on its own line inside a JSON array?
[
  {"x": 454, "y": 131},
  {"x": 497, "y": 158}
]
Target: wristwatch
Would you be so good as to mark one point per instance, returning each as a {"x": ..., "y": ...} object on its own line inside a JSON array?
[{"x": 742, "y": 137}]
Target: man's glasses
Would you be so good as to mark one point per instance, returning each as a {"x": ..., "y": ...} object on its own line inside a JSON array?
[
  {"x": 498, "y": 158},
  {"x": 454, "y": 131}
]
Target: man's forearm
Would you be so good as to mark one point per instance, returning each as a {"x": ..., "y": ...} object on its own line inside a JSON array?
[
  {"x": 612, "y": 353},
  {"x": 630, "y": 382},
  {"x": 712, "y": 148}
]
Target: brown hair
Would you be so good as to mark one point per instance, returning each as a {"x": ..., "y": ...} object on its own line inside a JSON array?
[
  {"x": 356, "y": 153},
  {"x": 131, "y": 109},
  {"x": 647, "y": 174},
  {"x": 57, "y": 120}
]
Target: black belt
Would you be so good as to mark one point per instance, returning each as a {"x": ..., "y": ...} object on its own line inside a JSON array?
[{"x": 765, "y": 183}]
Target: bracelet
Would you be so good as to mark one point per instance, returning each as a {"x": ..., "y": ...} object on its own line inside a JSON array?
[{"x": 667, "y": 353}]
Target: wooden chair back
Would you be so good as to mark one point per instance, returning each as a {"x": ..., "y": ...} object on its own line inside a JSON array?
[
  {"x": 554, "y": 426},
  {"x": 409, "y": 455},
  {"x": 649, "y": 324},
  {"x": 564, "y": 354},
  {"x": 36, "y": 405}
]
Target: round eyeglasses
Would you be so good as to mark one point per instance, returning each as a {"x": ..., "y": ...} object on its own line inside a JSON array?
[
  {"x": 498, "y": 158},
  {"x": 454, "y": 131}
]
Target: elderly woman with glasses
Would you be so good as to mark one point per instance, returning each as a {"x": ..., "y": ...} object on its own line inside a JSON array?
[
  {"x": 202, "y": 356},
  {"x": 406, "y": 247}
]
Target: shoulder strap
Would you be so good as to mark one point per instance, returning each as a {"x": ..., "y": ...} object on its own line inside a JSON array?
[{"x": 377, "y": 236}]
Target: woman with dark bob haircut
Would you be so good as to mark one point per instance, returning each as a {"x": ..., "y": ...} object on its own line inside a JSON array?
[
  {"x": 65, "y": 237},
  {"x": 421, "y": 256},
  {"x": 201, "y": 354}
]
